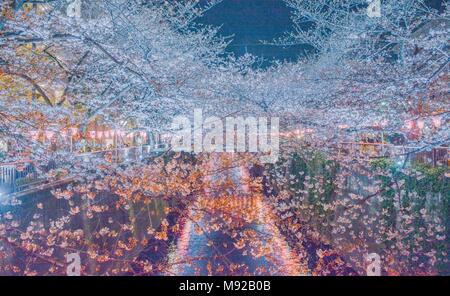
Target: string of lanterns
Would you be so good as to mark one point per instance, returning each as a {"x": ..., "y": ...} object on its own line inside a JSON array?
[{"x": 99, "y": 135}]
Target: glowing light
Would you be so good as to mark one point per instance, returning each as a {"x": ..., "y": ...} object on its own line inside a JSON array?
[
  {"x": 49, "y": 135},
  {"x": 437, "y": 122},
  {"x": 420, "y": 124},
  {"x": 34, "y": 135},
  {"x": 409, "y": 124}
]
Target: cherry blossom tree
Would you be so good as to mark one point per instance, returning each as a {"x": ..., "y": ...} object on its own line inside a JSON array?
[
  {"x": 331, "y": 199},
  {"x": 366, "y": 75}
]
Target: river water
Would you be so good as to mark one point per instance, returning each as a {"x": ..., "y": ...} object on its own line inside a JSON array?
[{"x": 233, "y": 234}]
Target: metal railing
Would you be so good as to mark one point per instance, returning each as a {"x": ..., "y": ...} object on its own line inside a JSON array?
[
  {"x": 13, "y": 174},
  {"x": 437, "y": 156}
]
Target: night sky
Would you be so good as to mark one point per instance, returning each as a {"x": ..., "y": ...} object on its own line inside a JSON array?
[{"x": 253, "y": 20}]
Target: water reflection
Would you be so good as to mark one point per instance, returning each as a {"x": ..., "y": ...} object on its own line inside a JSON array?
[
  {"x": 232, "y": 234},
  {"x": 42, "y": 210}
]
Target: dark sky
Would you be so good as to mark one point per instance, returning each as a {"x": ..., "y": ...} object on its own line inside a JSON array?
[{"x": 253, "y": 20}]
